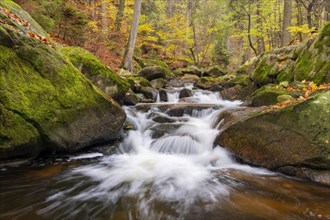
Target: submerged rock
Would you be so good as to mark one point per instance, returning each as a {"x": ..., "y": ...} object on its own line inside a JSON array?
[
  {"x": 46, "y": 104},
  {"x": 297, "y": 135}
]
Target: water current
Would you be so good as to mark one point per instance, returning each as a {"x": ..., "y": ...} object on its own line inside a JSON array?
[{"x": 166, "y": 167}]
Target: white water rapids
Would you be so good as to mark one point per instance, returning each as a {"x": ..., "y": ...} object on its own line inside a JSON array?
[
  {"x": 165, "y": 168},
  {"x": 179, "y": 169}
]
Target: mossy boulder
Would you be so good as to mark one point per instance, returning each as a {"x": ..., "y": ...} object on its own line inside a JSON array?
[
  {"x": 242, "y": 80},
  {"x": 102, "y": 76},
  {"x": 148, "y": 62},
  {"x": 137, "y": 82},
  {"x": 313, "y": 59},
  {"x": 309, "y": 61},
  {"x": 215, "y": 71},
  {"x": 296, "y": 136},
  {"x": 207, "y": 82},
  {"x": 191, "y": 70},
  {"x": 152, "y": 72},
  {"x": 269, "y": 95},
  {"x": 46, "y": 103},
  {"x": 14, "y": 8}
]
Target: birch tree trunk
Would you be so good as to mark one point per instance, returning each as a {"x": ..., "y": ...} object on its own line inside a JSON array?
[{"x": 128, "y": 58}]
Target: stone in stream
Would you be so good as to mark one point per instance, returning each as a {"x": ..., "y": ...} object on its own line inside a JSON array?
[
  {"x": 149, "y": 93},
  {"x": 162, "y": 118},
  {"x": 176, "y": 109},
  {"x": 131, "y": 98},
  {"x": 297, "y": 136},
  {"x": 163, "y": 95},
  {"x": 159, "y": 130},
  {"x": 184, "y": 93}
]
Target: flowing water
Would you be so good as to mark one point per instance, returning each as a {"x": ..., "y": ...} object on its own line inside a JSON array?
[{"x": 167, "y": 170}]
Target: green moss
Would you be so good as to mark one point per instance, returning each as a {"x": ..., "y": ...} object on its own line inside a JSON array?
[
  {"x": 96, "y": 71},
  {"x": 17, "y": 10},
  {"x": 41, "y": 85},
  {"x": 311, "y": 67},
  {"x": 242, "y": 80},
  {"x": 137, "y": 82},
  {"x": 261, "y": 72},
  {"x": 267, "y": 95},
  {"x": 14, "y": 128},
  {"x": 146, "y": 62}
]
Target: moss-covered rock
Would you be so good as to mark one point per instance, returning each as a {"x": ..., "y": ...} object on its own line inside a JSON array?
[
  {"x": 12, "y": 7},
  {"x": 268, "y": 95},
  {"x": 46, "y": 102},
  {"x": 242, "y": 80},
  {"x": 313, "y": 62},
  {"x": 207, "y": 82},
  {"x": 152, "y": 72},
  {"x": 191, "y": 70},
  {"x": 297, "y": 135},
  {"x": 137, "y": 82},
  {"x": 215, "y": 71},
  {"x": 309, "y": 61},
  {"x": 102, "y": 76},
  {"x": 147, "y": 62}
]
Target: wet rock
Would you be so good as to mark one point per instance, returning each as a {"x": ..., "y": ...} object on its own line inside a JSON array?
[
  {"x": 181, "y": 109},
  {"x": 297, "y": 135},
  {"x": 163, "y": 118},
  {"x": 149, "y": 93},
  {"x": 163, "y": 95},
  {"x": 131, "y": 98},
  {"x": 185, "y": 93},
  {"x": 160, "y": 130}
]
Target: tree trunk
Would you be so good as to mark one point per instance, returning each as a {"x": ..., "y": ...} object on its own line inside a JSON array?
[
  {"x": 327, "y": 10},
  {"x": 260, "y": 41},
  {"x": 128, "y": 59},
  {"x": 104, "y": 17},
  {"x": 286, "y": 22},
  {"x": 309, "y": 16},
  {"x": 299, "y": 19},
  {"x": 120, "y": 14},
  {"x": 249, "y": 35}
]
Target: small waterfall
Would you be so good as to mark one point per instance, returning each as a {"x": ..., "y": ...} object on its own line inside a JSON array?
[{"x": 179, "y": 169}]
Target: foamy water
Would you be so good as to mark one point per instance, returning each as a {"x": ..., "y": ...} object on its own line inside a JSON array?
[{"x": 178, "y": 167}]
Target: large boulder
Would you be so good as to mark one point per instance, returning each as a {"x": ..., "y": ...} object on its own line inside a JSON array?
[
  {"x": 215, "y": 71},
  {"x": 309, "y": 61},
  {"x": 102, "y": 76},
  {"x": 269, "y": 95},
  {"x": 152, "y": 72},
  {"x": 46, "y": 104},
  {"x": 295, "y": 138},
  {"x": 150, "y": 62}
]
